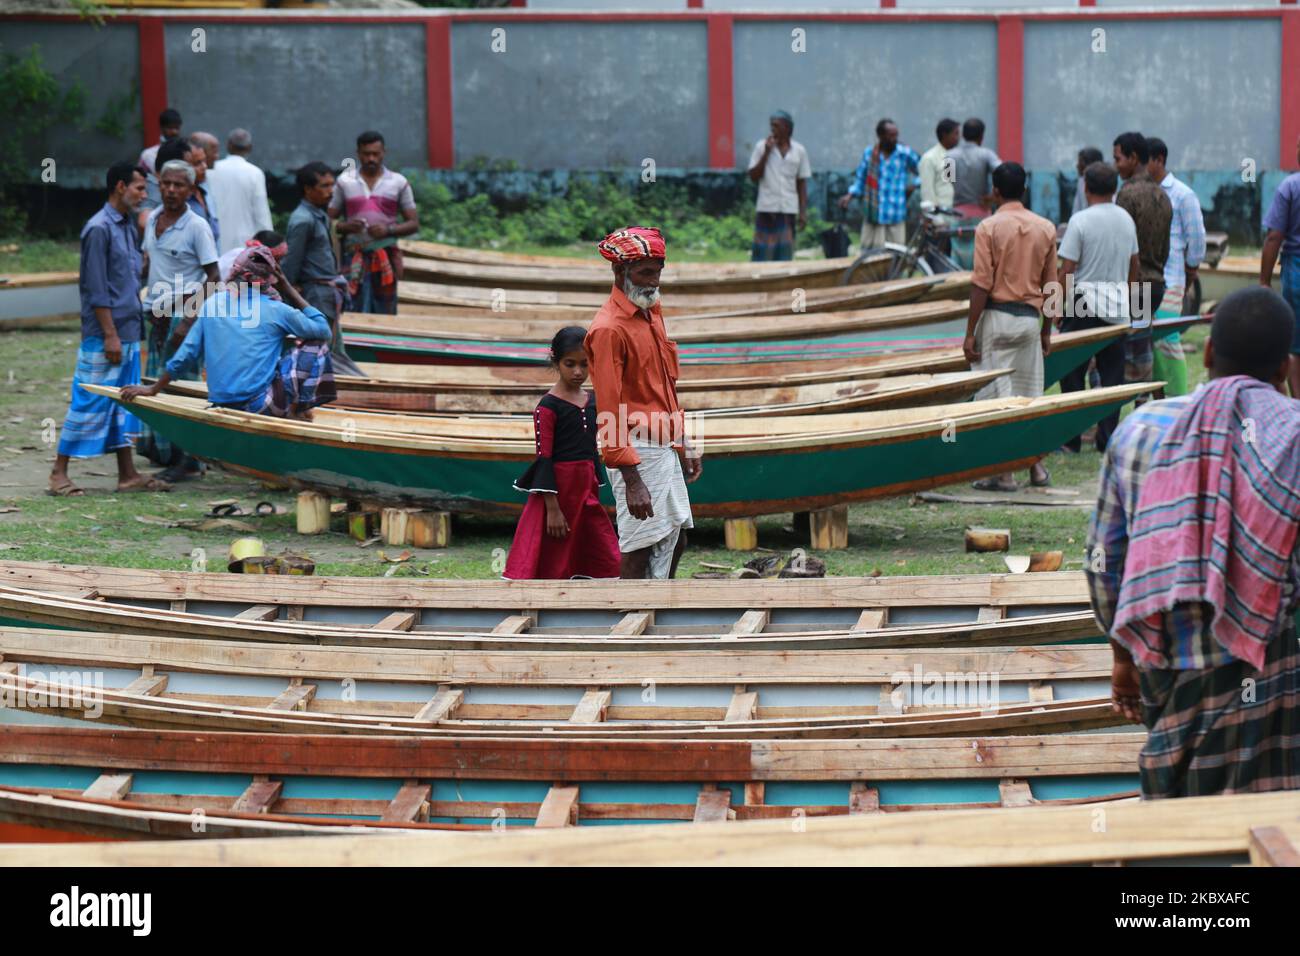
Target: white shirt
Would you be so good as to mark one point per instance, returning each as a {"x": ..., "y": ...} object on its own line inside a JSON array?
[
  {"x": 935, "y": 187},
  {"x": 238, "y": 189},
  {"x": 777, "y": 190}
]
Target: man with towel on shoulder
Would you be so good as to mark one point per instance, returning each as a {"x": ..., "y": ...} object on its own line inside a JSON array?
[
  {"x": 1193, "y": 567},
  {"x": 641, "y": 427}
]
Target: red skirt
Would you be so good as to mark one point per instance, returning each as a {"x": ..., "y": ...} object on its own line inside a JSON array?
[{"x": 590, "y": 549}]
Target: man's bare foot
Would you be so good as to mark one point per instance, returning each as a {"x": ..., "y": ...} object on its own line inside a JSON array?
[
  {"x": 143, "y": 483},
  {"x": 61, "y": 486}
]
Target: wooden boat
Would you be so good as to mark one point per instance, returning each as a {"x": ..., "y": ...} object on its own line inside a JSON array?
[
  {"x": 31, "y": 300},
  {"x": 594, "y": 276},
  {"x": 840, "y": 298},
  {"x": 414, "y": 349},
  {"x": 902, "y": 391},
  {"x": 1258, "y": 828},
  {"x": 514, "y": 781},
  {"x": 197, "y": 684},
  {"x": 907, "y": 321},
  {"x": 811, "y": 272},
  {"x": 746, "y": 617},
  {"x": 798, "y": 463},
  {"x": 1232, "y": 273}
]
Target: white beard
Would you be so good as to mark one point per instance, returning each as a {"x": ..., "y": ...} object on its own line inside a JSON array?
[{"x": 643, "y": 297}]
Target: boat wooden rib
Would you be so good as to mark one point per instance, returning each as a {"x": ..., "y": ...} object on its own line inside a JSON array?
[
  {"x": 35, "y": 299},
  {"x": 864, "y": 295},
  {"x": 1219, "y": 830},
  {"x": 578, "y": 275},
  {"x": 902, "y": 391},
  {"x": 908, "y": 322},
  {"x": 514, "y": 780},
  {"x": 800, "y": 463}
]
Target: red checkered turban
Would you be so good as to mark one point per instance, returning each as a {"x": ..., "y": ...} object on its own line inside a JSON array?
[
  {"x": 633, "y": 243},
  {"x": 256, "y": 267}
]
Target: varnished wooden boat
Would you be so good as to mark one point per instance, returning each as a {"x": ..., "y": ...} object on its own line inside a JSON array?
[
  {"x": 794, "y": 463},
  {"x": 197, "y": 684},
  {"x": 902, "y": 391},
  {"x": 1259, "y": 829},
  {"x": 593, "y": 275},
  {"x": 840, "y": 298},
  {"x": 746, "y": 617},
  {"x": 34, "y": 299},
  {"x": 601, "y": 781},
  {"x": 915, "y": 320},
  {"x": 1232, "y": 273}
]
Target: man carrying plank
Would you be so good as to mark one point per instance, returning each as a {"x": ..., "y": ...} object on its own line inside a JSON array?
[
  {"x": 641, "y": 426},
  {"x": 1193, "y": 566}
]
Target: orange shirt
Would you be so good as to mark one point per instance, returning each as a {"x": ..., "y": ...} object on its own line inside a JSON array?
[
  {"x": 1015, "y": 255},
  {"x": 634, "y": 370}
]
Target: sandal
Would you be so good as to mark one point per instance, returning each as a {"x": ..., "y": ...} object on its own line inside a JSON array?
[
  {"x": 993, "y": 484},
  {"x": 66, "y": 489},
  {"x": 1045, "y": 483},
  {"x": 149, "y": 484}
]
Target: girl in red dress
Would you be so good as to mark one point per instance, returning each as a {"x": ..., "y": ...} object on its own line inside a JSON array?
[{"x": 564, "y": 531}]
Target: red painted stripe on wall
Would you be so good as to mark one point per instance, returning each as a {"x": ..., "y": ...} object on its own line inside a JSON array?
[
  {"x": 694, "y": 4},
  {"x": 722, "y": 154},
  {"x": 153, "y": 78},
  {"x": 1011, "y": 88},
  {"x": 1289, "y": 98},
  {"x": 438, "y": 100}
]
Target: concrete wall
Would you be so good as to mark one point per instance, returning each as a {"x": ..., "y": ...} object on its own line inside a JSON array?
[
  {"x": 582, "y": 95},
  {"x": 304, "y": 91},
  {"x": 105, "y": 61},
  {"x": 1209, "y": 88},
  {"x": 853, "y": 74}
]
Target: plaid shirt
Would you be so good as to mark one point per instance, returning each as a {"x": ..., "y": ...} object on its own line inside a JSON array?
[
  {"x": 890, "y": 186},
  {"x": 1186, "y": 231},
  {"x": 1128, "y": 458}
]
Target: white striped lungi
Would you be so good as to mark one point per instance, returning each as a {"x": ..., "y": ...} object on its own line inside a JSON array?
[
  {"x": 661, "y": 470},
  {"x": 1010, "y": 341}
]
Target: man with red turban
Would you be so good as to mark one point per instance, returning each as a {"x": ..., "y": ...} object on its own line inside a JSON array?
[{"x": 641, "y": 427}]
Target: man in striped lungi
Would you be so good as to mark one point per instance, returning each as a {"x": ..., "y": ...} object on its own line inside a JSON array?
[
  {"x": 641, "y": 426},
  {"x": 1194, "y": 568}
]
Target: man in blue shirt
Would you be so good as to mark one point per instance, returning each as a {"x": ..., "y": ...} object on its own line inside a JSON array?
[
  {"x": 1283, "y": 224},
  {"x": 111, "y": 266},
  {"x": 241, "y": 335},
  {"x": 886, "y": 175}
]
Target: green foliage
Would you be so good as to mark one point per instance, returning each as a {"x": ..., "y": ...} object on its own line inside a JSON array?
[
  {"x": 587, "y": 212},
  {"x": 121, "y": 113}
]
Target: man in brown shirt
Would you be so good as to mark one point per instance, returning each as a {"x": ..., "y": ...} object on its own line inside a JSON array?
[
  {"x": 639, "y": 420},
  {"x": 1015, "y": 261},
  {"x": 1143, "y": 199}
]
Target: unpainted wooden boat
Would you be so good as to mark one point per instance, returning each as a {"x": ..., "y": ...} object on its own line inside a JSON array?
[
  {"x": 199, "y": 684},
  {"x": 35, "y": 299},
  {"x": 514, "y": 781},
  {"x": 840, "y": 298},
  {"x": 799, "y": 463},
  {"x": 593, "y": 275},
  {"x": 913, "y": 320},
  {"x": 746, "y": 617},
  {"x": 902, "y": 391},
  {"x": 1258, "y": 829}
]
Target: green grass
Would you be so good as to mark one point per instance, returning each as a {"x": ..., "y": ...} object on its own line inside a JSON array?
[{"x": 38, "y": 255}]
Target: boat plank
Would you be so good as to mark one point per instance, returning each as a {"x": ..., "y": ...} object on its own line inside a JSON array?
[
  {"x": 259, "y": 796},
  {"x": 410, "y": 805},
  {"x": 559, "y": 808},
  {"x": 396, "y": 621},
  {"x": 713, "y": 806},
  {"x": 592, "y": 708}
]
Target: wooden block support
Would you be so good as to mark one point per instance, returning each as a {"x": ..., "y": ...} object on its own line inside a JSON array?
[
  {"x": 741, "y": 534},
  {"x": 514, "y": 624},
  {"x": 591, "y": 708},
  {"x": 394, "y": 524},
  {"x": 871, "y": 619},
  {"x": 988, "y": 539},
  {"x": 258, "y": 612},
  {"x": 294, "y": 697},
  {"x": 362, "y": 525},
  {"x": 429, "y": 529},
  {"x": 397, "y": 621},
  {"x": 109, "y": 786},
  {"x": 1270, "y": 846},
  {"x": 559, "y": 808},
  {"x": 1040, "y": 692},
  {"x": 148, "y": 684},
  {"x": 989, "y": 615},
  {"x": 828, "y": 528},
  {"x": 743, "y": 706},
  {"x": 1015, "y": 793},
  {"x": 863, "y": 799},
  {"x": 632, "y": 623},
  {"x": 443, "y": 705},
  {"x": 313, "y": 513},
  {"x": 751, "y": 622}
]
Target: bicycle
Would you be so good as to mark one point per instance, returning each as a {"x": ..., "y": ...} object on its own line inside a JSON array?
[{"x": 924, "y": 253}]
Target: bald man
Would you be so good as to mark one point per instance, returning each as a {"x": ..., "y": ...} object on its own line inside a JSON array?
[{"x": 239, "y": 189}]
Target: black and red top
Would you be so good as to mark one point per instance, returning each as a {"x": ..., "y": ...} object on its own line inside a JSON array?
[{"x": 563, "y": 432}]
